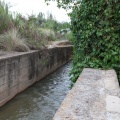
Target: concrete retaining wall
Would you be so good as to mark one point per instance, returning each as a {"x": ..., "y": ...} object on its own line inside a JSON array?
[
  {"x": 95, "y": 96},
  {"x": 21, "y": 70}
]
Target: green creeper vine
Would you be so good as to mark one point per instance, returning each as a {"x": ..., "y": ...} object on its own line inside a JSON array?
[
  {"x": 96, "y": 28},
  {"x": 95, "y": 25}
]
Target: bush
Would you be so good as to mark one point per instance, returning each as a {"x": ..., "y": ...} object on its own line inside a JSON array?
[
  {"x": 70, "y": 36},
  {"x": 29, "y": 28},
  {"x": 48, "y": 33},
  {"x": 12, "y": 41},
  {"x": 96, "y": 28}
]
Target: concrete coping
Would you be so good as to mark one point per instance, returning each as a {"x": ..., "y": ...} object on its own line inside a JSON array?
[
  {"x": 95, "y": 96},
  {"x": 11, "y": 54}
]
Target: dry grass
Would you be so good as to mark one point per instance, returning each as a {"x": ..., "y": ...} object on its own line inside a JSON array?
[
  {"x": 12, "y": 41},
  {"x": 50, "y": 35}
]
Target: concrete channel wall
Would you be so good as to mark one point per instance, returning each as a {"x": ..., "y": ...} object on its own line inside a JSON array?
[
  {"x": 20, "y": 70},
  {"x": 95, "y": 96}
]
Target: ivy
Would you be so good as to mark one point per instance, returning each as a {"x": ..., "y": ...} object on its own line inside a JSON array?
[{"x": 95, "y": 26}]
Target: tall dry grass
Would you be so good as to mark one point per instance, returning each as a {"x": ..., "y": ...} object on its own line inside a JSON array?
[
  {"x": 12, "y": 41},
  {"x": 49, "y": 34}
]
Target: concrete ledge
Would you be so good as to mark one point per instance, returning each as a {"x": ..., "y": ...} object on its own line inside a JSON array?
[{"x": 95, "y": 96}]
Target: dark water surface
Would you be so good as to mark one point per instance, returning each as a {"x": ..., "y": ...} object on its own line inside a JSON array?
[{"x": 41, "y": 101}]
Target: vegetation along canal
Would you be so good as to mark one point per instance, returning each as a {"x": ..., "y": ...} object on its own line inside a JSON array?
[{"x": 40, "y": 101}]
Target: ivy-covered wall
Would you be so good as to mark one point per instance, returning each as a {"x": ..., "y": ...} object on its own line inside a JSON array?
[{"x": 96, "y": 29}]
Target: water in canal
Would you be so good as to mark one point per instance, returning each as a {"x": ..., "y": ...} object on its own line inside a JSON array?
[{"x": 40, "y": 101}]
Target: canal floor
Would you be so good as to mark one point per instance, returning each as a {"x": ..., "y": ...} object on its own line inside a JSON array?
[{"x": 40, "y": 101}]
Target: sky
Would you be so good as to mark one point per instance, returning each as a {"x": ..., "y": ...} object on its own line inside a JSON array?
[{"x": 27, "y": 7}]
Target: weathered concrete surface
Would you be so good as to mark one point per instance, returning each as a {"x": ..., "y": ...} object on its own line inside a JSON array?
[
  {"x": 20, "y": 70},
  {"x": 95, "y": 96}
]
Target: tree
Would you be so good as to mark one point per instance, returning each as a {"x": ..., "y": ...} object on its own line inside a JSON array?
[{"x": 96, "y": 29}]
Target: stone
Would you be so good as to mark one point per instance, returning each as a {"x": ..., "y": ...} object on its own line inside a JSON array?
[
  {"x": 113, "y": 104},
  {"x": 113, "y": 116},
  {"x": 92, "y": 97}
]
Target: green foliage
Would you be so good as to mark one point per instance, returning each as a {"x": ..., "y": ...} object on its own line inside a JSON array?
[
  {"x": 96, "y": 28},
  {"x": 50, "y": 22},
  {"x": 37, "y": 30},
  {"x": 29, "y": 30},
  {"x": 66, "y": 4},
  {"x": 70, "y": 36},
  {"x": 5, "y": 17}
]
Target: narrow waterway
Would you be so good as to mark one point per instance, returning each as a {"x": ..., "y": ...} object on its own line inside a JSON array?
[{"x": 40, "y": 101}]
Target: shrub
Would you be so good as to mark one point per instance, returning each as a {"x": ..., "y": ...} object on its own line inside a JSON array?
[
  {"x": 96, "y": 28},
  {"x": 29, "y": 30},
  {"x": 12, "y": 41},
  {"x": 70, "y": 36},
  {"x": 48, "y": 33}
]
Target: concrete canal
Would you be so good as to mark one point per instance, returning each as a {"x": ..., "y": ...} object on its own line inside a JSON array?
[{"x": 40, "y": 101}]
